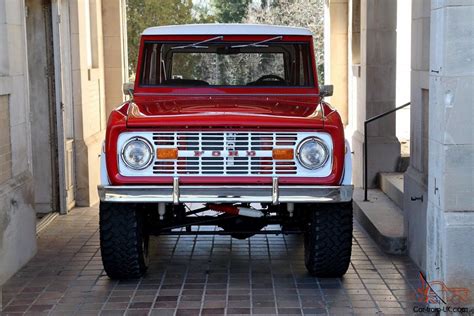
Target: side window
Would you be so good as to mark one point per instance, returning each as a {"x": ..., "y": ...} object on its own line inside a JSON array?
[
  {"x": 303, "y": 69},
  {"x": 300, "y": 68},
  {"x": 151, "y": 73}
]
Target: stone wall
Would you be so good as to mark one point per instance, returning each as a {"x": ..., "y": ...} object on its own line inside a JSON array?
[
  {"x": 115, "y": 45},
  {"x": 84, "y": 92},
  {"x": 442, "y": 143},
  {"x": 89, "y": 98},
  {"x": 5, "y": 145},
  {"x": 416, "y": 177},
  {"x": 450, "y": 213},
  {"x": 374, "y": 78},
  {"x": 97, "y": 30},
  {"x": 336, "y": 55},
  {"x": 17, "y": 217}
]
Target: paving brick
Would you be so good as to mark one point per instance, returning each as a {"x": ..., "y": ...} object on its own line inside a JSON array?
[{"x": 204, "y": 275}]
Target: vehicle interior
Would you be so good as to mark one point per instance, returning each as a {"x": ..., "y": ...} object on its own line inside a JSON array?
[{"x": 226, "y": 64}]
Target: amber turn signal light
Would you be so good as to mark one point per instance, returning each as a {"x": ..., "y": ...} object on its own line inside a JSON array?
[
  {"x": 167, "y": 153},
  {"x": 283, "y": 153}
]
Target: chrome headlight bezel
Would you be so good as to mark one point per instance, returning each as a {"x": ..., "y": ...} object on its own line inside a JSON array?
[
  {"x": 321, "y": 143},
  {"x": 148, "y": 146}
]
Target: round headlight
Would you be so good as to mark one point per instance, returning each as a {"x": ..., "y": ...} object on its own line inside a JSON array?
[
  {"x": 137, "y": 153},
  {"x": 312, "y": 153}
]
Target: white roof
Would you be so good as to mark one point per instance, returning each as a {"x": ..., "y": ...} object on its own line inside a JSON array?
[{"x": 226, "y": 29}]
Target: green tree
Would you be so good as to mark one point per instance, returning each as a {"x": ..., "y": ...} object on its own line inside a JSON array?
[
  {"x": 202, "y": 12},
  {"x": 231, "y": 11},
  {"x": 142, "y": 14},
  {"x": 302, "y": 13}
]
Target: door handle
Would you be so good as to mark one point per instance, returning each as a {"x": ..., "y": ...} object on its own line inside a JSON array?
[{"x": 417, "y": 198}]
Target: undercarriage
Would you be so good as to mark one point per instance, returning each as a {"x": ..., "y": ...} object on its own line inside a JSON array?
[
  {"x": 125, "y": 229},
  {"x": 237, "y": 220}
]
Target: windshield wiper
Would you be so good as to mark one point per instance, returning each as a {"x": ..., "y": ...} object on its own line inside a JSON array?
[
  {"x": 198, "y": 44},
  {"x": 258, "y": 44}
]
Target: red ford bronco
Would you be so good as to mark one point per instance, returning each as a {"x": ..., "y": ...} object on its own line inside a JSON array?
[{"x": 226, "y": 126}]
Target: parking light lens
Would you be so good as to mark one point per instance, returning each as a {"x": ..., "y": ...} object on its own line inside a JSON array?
[
  {"x": 167, "y": 153},
  {"x": 283, "y": 154}
]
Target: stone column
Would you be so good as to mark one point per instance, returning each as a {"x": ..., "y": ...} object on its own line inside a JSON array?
[
  {"x": 114, "y": 27},
  {"x": 416, "y": 177},
  {"x": 376, "y": 90},
  {"x": 450, "y": 215},
  {"x": 336, "y": 55},
  {"x": 89, "y": 96}
]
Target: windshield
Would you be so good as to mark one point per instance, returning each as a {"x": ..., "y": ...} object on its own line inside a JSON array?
[{"x": 212, "y": 63}]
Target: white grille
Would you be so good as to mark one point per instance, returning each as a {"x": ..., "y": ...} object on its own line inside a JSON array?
[
  {"x": 225, "y": 153},
  {"x": 239, "y": 153}
]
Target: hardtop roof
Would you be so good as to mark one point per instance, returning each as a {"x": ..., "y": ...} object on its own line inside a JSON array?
[{"x": 226, "y": 29}]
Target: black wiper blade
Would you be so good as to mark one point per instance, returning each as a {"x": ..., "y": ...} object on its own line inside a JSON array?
[
  {"x": 258, "y": 44},
  {"x": 198, "y": 44}
]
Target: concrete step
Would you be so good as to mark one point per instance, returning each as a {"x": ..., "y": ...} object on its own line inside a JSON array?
[
  {"x": 403, "y": 163},
  {"x": 392, "y": 185},
  {"x": 382, "y": 220}
]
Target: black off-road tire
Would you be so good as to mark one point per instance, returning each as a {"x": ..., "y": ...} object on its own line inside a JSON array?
[
  {"x": 328, "y": 240},
  {"x": 123, "y": 243}
]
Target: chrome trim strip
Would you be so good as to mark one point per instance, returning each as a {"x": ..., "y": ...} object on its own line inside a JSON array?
[
  {"x": 175, "y": 190},
  {"x": 226, "y": 194},
  {"x": 275, "y": 192}
]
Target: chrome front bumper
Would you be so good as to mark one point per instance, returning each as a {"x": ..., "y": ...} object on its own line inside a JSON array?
[{"x": 226, "y": 194}]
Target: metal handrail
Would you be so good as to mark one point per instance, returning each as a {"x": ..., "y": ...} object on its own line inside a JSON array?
[{"x": 365, "y": 141}]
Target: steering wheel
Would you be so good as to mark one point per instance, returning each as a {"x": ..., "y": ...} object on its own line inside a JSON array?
[{"x": 270, "y": 77}]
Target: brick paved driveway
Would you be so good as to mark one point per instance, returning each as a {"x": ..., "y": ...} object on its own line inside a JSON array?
[{"x": 191, "y": 275}]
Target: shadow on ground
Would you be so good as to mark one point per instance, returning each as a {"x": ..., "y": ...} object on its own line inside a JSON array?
[{"x": 192, "y": 275}]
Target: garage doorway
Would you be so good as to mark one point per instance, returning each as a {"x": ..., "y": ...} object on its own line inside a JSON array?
[{"x": 42, "y": 105}]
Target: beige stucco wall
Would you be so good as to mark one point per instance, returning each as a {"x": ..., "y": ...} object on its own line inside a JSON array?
[{"x": 17, "y": 217}]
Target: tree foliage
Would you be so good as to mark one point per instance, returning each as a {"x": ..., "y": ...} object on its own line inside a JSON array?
[
  {"x": 302, "y": 13},
  {"x": 233, "y": 11},
  {"x": 146, "y": 13}
]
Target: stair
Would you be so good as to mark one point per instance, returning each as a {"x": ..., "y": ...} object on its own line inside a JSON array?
[
  {"x": 382, "y": 219},
  {"x": 403, "y": 162},
  {"x": 392, "y": 185},
  {"x": 382, "y": 215}
]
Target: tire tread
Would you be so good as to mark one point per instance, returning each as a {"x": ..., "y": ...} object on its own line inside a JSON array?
[
  {"x": 328, "y": 240},
  {"x": 121, "y": 241}
]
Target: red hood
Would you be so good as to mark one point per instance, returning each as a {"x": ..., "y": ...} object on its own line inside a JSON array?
[{"x": 224, "y": 111}]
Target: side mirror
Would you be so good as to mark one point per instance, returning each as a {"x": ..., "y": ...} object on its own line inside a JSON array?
[
  {"x": 326, "y": 90},
  {"x": 127, "y": 88}
]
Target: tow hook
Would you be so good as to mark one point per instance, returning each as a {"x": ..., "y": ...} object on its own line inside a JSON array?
[{"x": 236, "y": 210}]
